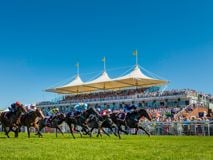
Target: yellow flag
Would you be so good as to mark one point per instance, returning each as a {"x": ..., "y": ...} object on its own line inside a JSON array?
[
  {"x": 77, "y": 65},
  {"x": 135, "y": 52},
  {"x": 104, "y": 59}
]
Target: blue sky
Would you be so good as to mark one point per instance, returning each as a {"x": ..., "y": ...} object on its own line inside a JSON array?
[{"x": 41, "y": 41}]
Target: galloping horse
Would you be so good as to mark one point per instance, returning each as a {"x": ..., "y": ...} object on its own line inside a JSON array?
[
  {"x": 30, "y": 119},
  {"x": 131, "y": 120},
  {"x": 101, "y": 122},
  {"x": 55, "y": 123},
  {"x": 80, "y": 120},
  {"x": 11, "y": 120}
]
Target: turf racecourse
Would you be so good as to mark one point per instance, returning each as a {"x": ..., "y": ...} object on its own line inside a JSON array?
[{"x": 110, "y": 148}]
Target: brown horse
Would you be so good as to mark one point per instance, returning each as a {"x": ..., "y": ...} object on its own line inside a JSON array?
[
  {"x": 80, "y": 120},
  {"x": 11, "y": 120},
  {"x": 101, "y": 122},
  {"x": 31, "y": 119},
  {"x": 131, "y": 120},
  {"x": 55, "y": 123}
]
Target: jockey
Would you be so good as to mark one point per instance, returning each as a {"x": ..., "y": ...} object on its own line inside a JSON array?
[
  {"x": 79, "y": 108},
  {"x": 14, "y": 107},
  {"x": 53, "y": 113},
  {"x": 32, "y": 108},
  {"x": 106, "y": 112}
]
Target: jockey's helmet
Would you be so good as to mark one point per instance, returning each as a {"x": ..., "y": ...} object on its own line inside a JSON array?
[{"x": 18, "y": 103}]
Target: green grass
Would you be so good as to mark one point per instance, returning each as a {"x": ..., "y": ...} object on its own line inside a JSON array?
[{"x": 110, "y": 148}]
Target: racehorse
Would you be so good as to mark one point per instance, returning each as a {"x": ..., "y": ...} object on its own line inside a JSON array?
[
  {"x": 79, "y": 120},
  {"x": 30, "y": 119},
  {"x": 57, "y": 120},
  {"x": 11, "y": 120},
  {"x": 131, "y": 120},
  {"x": 101, "y": 122}
]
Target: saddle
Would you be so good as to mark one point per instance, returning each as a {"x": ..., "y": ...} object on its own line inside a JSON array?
[{"x": 48, "y": 121}]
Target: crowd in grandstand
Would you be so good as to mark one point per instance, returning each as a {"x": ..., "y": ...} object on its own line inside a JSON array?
[
  {"x": 105, "y": 95},
  {"x": 127, "y": 94},
  {"x": 140, "y": 93}
]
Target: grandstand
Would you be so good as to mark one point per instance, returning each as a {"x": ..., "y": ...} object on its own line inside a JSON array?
[
  {"x": 116, "y": 100},
  {"x": 134, "y": 88}
]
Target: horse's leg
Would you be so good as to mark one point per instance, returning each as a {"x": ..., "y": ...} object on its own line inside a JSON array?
[
  {"x": 136, "y": 130},
  {"x": 16, "y": 132},
  {"x": 39, "y": 131},
  {"x": 106, "y": 132},
  {"x": 79, "y": 132},
  {"x": 91, "y": 131},
  {"x": 114, "y": 132},
  {"x": 118, "y": 132},
  {"x": 71, "y": 131},
  {"x": 28, "y": 131},
  {"x": 120, "y": 129},
  {"x": 99, "y": 132},
  {"x": 56, "y": 132},
  {"x": 58, "y": 128},
  {"x": 144, "y": 130},
  {"x": 6, "y": 132},
  {"x": 40, "y": 127},
  {"x": 87, "y": 130}
]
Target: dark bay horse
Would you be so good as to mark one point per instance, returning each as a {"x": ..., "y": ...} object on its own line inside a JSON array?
[
  {"x": 131, "y": 120},
  {"x": 11, "y": 120},
  {"x": 31, "y": 119},
  {"x": 79, "y": 120},
  {"x": 55, "y": 123},
  {"x": 100, "y": 123}
]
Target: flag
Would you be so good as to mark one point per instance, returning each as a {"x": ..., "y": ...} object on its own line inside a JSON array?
[
  {"x": 135, "y": 52},
  {"x": 77, "y": 65},
  {"x": 104, "y": 59}
]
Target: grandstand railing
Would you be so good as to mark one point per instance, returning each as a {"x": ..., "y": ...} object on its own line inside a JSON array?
[
  {"x": 197, "y": 128},
  {"x": 193, "y": 128},
  {"x": 113, "y": 99}
]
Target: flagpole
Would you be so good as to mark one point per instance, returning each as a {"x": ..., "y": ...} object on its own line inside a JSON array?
[
  {"x": 77, "y": 67},
  {"x": 136, "y": 58},
  {"x": 104, "y": 60},
  {"x": 135, "y": 53}
]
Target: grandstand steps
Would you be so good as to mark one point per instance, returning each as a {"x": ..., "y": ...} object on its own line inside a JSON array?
[{"x": 195, "y": 112}]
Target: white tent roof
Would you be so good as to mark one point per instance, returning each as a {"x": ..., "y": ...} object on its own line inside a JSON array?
[
  {"x": 100, "y": 83},
  {"x": 136, "y": 73},
  {"x": 135, "y": 78},
  {"x": 74, "y": 84},
  {"x": 102, "y": 78},
  {"x": 76, "y": 81}
]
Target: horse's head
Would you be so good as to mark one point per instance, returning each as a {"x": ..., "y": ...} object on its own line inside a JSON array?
[
  {"x": 39, "y": 113},
  {"x": 144, "y": 113},
  {"x": 90, "y": 111}
]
